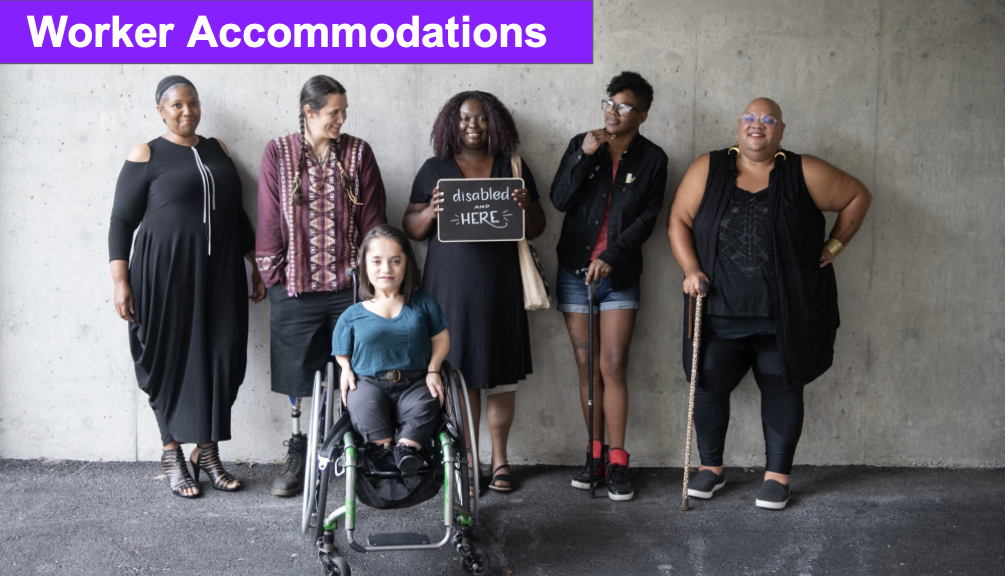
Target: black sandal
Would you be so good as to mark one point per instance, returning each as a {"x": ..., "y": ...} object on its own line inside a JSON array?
[
  {"x": 176, "y": 471},
  {"x": 501, "y": 478},
  {"x": 209, "y": 461}
]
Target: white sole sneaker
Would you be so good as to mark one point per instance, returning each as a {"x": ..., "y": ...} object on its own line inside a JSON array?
[
  {"x": 706, "y": 495},
  {"x": 620, "y": 497},
  {"x": 585, "y": 485},
  {"x": 770, "y": 505}
]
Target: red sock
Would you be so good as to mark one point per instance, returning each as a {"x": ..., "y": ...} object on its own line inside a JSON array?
[
  {"x": 597, "y": 447},
  {"x": 618, "y": 456}
]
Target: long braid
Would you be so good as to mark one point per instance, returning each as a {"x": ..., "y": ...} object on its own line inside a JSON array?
[{"x": 298, "y": 195}]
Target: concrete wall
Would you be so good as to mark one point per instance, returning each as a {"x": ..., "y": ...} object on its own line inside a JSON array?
[{"x": 904, "y": 95}]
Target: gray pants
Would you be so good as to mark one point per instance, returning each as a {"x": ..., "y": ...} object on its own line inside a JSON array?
[{"x": 404, "y": 409}]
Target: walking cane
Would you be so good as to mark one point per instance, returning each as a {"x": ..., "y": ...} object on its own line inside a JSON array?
[
  {"x": 695, "y": 345},
  {"x": 589, "y": 404}
]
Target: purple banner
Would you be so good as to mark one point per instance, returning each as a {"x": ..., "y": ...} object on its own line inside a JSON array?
[{"x": 269, "y": 32}]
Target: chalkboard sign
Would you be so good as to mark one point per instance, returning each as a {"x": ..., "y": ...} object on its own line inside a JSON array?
[{"x": 480, "y": 210}]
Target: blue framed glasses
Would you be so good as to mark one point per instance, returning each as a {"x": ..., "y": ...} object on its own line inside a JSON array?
[{"x": 768, "y": 120}]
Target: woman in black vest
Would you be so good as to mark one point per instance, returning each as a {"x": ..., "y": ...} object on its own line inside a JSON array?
[{"x": 749, "y": 221}]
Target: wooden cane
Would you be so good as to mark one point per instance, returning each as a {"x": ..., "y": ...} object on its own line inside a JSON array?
[{"x": 695, "y": 345}]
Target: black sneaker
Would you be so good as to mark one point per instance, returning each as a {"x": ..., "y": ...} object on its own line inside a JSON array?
[
  {"x": 619, "y": 485},
  {"x": 407, "y": 460},
  {"x": 381, "y": 459},
  {"x": 773, "y": 495},
  {"x": 582, "y": 480},
  {"x": 290, "y": 481},
  {"x": 705, "y": 483}
]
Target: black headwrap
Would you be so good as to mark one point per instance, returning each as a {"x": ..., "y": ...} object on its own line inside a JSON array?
[{"x": 170, "y": 81}]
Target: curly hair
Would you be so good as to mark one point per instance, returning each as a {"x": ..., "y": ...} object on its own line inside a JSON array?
[
  {"x": 503, "y": 137},
  {"x": 633, "y": 81}
]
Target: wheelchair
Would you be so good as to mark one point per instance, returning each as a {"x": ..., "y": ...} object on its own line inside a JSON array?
[{"x": 333, "y": 445}]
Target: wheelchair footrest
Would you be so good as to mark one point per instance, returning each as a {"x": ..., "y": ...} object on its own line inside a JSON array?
[{"x": 397, "y": 539}]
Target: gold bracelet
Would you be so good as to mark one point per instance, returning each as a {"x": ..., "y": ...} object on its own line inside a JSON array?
[{"x": 834, "y": 246}]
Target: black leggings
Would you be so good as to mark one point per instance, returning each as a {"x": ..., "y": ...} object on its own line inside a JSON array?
[{"x": 724, "y": 363}]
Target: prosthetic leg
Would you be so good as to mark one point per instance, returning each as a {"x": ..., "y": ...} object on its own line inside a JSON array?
[{"x": 290, "y": 480}]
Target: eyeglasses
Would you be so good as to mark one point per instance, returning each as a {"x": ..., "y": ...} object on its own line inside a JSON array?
[
  {"x": 768, "y": 120},
  {"x": 620, "y": 108}
]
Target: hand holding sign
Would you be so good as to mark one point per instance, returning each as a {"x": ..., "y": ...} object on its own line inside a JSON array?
[
  {"x": 522, "y": 198},
  {"x": 436, "y": 202}
]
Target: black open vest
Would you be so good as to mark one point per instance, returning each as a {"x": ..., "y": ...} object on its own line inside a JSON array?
[{"x": 804, "y": 295}]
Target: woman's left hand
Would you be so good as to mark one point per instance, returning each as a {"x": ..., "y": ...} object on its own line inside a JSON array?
[
  {"x": 522, "y": 198},
  {"x": 257, "y": 287},
  {"x": 435, "y": 384},
  {"x": 826, "y": 258}
]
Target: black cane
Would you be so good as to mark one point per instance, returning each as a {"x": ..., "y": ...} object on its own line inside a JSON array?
[
  {"x": 695, "y": 345},
  {"x": 589, "y": 404}
]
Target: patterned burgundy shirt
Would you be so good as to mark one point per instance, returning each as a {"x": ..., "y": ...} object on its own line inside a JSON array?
[{"x": 308, "y": 247}]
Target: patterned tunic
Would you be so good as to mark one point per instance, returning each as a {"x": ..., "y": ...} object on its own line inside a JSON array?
[{"x": 308, "y": 247}]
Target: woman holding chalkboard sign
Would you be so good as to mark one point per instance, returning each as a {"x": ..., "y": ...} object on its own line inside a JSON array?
[{"x": 478, "y": 283}]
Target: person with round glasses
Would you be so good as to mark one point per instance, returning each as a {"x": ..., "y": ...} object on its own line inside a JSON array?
[
  {"x": 610, "y": 184},
  {"x": 749, "y": 221}
]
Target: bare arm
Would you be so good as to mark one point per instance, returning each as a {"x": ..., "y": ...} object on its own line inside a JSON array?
[
  {"x": 681, "y": 220},
  {"x": 834, "y": 190},
  {"x": 419, "y": 219},
  {"x": 441, "y": 345},
  {"x": 347, "y": 380}
]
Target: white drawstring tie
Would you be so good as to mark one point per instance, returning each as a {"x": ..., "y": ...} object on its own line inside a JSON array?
[{"x": 208, "y": 199}]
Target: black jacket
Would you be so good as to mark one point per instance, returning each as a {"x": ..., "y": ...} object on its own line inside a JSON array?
[{"x": 580, "y": 189}]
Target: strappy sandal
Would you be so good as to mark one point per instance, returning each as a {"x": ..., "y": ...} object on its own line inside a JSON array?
[
  {"x": 501, "y": 478},
  {"x": 209, "y": 461},
  {"x": 176, "y": 471}
]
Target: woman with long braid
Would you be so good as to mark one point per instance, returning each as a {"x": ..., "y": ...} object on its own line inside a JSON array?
[
  {"x": 319, "y": 193},
  {"x": 184, "y": 292}
]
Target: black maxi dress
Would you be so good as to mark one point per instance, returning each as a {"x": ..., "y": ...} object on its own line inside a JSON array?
[
  {"x": 189, "y": 337},
  {"x": 478, "y": 286}
]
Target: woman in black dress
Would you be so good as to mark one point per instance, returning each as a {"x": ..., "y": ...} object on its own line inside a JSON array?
[
  {"x": 184, "y": 291},
  {"x": 478, "y": 284}
]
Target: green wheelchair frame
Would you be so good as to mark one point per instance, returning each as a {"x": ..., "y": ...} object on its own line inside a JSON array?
[{"x": 330, "y": 431}]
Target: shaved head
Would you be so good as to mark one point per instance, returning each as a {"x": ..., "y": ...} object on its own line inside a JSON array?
[{"x": 765, "y": 106}]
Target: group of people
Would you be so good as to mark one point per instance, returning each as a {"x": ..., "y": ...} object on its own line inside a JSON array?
[{"x": 746, "y": 224}]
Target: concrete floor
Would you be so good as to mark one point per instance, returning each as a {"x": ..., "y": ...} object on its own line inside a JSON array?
[{"x": 95, "y": 518}]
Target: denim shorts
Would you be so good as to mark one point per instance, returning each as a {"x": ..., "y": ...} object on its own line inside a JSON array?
[{"x": 573, "y": 296}]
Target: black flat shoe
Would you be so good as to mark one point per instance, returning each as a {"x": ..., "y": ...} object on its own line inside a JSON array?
[
  {"x": 176, "y": 471},
  {"x": 501, "y": 478},
  {"x": 209, "y": 461}
]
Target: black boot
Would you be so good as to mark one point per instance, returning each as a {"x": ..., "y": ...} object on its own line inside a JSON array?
[{"x": 290, "y": 481}]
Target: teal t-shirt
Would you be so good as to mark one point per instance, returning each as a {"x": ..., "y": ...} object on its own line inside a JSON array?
[{"x": 376, "y": 344}]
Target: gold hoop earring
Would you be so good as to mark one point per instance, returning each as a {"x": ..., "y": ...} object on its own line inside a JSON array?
[
  {"x": 782, "y": 154},
  {"x": 734, "y": 149}
]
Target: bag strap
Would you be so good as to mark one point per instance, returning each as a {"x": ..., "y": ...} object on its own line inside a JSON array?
[{"x": 516, "y": 165}]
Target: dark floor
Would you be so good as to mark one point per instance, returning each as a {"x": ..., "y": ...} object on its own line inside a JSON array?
[{"x": 118, "y": 518}]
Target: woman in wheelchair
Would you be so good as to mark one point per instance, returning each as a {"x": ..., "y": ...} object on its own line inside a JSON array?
[{"x": 390, "y": 346}]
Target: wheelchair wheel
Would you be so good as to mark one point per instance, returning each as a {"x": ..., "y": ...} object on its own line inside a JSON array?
[
  {"x": 310, "y": 464},
  {"x": 454, "y": 382},
  {"x": 321, "y": 488},
  {"x": 335, "y": 566}
]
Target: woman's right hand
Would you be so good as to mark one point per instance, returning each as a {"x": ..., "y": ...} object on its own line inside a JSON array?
[
  {"x": 347, "y": 382},
  {"x": 593, "y": 140},
  {"x": 124, "y": 300},
  {"x": 436, "y": 201},
  {"x": 692, "y": 283}
]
